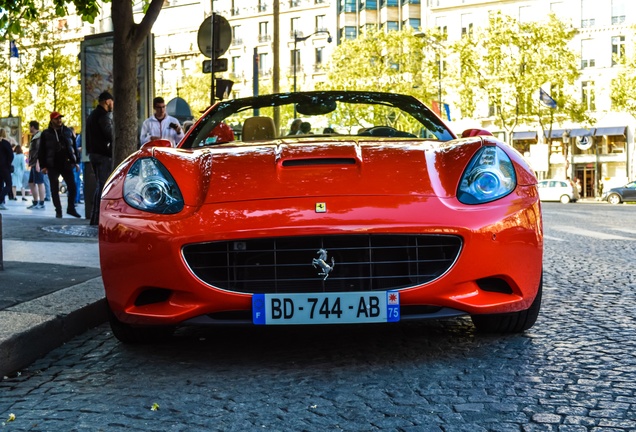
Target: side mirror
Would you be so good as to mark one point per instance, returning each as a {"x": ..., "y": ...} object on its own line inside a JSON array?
[
  {"x": 475, "y": 132},
  {"x": 156, "y": 143}
]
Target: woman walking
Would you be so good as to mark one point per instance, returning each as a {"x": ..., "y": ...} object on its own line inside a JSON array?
[{"x": 19, "y": 168}]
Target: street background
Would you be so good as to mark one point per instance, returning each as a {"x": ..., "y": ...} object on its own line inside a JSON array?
[{"x": 575, "y": 370}]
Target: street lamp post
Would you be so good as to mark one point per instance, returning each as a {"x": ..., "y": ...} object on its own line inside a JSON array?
[{"x": 301, "y": 39}]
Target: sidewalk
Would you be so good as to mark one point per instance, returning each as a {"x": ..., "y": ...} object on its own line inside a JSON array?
[{"x": 51, "y": 287}]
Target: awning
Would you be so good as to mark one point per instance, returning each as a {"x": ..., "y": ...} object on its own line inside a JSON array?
[
  {"x": 529, "y": 135},
  {"x": 581, "y": 132},
  {"x": 610, "y": 131},
  {"x": 556, "y": 133}
]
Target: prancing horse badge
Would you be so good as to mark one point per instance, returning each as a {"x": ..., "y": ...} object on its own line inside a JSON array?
[{"x": 321, "y": 207}]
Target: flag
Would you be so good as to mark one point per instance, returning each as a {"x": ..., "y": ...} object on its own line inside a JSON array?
[
  {"x": 547, "y": 99},
  {"x": 14, "y": 50}
]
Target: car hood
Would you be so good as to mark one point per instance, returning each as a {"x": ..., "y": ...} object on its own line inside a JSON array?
[{"x": 281, "y": 169}]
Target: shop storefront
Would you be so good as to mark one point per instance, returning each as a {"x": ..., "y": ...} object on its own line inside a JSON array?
[{"x": 598, "y": 158}]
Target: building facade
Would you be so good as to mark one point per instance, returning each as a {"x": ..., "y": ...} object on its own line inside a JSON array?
[{"x": 297, "y": 37}]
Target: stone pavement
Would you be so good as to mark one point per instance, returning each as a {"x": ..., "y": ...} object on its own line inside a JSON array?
[{"x": 50, "y": 285}]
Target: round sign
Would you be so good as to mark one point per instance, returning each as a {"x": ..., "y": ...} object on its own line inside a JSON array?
[
  {"x": 584, "y": 143},
  {"x": 222, "y": 31}
]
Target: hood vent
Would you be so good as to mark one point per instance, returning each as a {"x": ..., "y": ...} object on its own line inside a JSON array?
[{"x": 318, "y": 161}]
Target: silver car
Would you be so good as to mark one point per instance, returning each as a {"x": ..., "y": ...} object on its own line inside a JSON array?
[{"x": 557, "y": 190}]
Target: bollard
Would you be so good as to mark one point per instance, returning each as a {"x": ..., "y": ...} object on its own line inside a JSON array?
[{"x": 1, "y": 262}]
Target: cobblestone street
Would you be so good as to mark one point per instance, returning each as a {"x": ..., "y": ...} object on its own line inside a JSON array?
[{"x": 575, "y": 370}]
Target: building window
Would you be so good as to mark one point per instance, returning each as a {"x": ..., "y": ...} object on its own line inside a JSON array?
[
  {"x": 526, "y": 14},
  {"x": 587, "y": 95},
  {"x": 442, "y": 27},
  {"x": 588, "y": 13},
  {"x": 294, "y": 3},
  {"x": 294, "y": 58},
  {"x": 263, "y": 31},
  {"x": 295, "y": 27},
  {"x": 235, "y": 64},
  {"x": 587, "y": 53},
  {"x": 369, "y": 5},
  {"x": 236, "y": 35},
  {"x": 318, "y": 58},
  {"x": 349, "y": 5},
  {"x": 618, "y": 49},
  {"x": 414, "y": 23},
  {"x": 262, "y": 6},
  {"x": 348, "y": 33},
  {"x": 263, "y": 64},
  {"x": 320, "y": 23},
  {"x": 467, "y": 24},
  {"x": 557, "y": 8},
  {"x": 392, "y": 26},
  {"x": 390, "y": 3},
  {"x": 618, "y": 11}
]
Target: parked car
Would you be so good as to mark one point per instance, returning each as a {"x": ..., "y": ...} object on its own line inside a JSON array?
[
  {"x": 621, "y": 194},
  {"x": 377, "y": 213},
  {"x": 558, "y": 190}
]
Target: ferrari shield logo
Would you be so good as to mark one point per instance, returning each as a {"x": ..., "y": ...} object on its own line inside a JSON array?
[{"x": 321, "y": 207}]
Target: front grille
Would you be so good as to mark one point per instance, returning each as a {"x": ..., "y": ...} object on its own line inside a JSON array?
[{"x": 285, "y": 265}]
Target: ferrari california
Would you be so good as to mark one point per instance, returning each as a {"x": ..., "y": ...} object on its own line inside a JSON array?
[{"x": 326, "y": 207}]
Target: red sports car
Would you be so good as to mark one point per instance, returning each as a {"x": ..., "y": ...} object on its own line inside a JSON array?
[{"x": 325, "y": 207}]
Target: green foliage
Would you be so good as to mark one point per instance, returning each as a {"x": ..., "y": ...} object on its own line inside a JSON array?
[
  {"x": 508, "y": 61},
  {"x": 623, "y": 85},
  {"x": 20, "y": 13},
  {"x": 395, "y": 61},
  {"x": 44, "y": 78}
]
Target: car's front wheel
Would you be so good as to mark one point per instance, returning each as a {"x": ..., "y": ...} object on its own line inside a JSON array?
[
  {"x": 515, "y": 322},
  {"x": 614, "y": 199},
  {"x": 138, "y": 335},
  {"x": 565, "y": 199}
]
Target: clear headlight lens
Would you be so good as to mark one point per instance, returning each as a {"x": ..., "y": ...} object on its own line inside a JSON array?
[
  {"x": 150, "y": 187},
  {"x": 488, "y": 177}
]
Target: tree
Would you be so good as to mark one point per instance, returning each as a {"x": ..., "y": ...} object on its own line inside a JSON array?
[
  {"x": 392, "y": 61},
  {"x": 622, "y": 87},
  {"x": 509, "y": 61},
  {"x": 128, "y": 38}
]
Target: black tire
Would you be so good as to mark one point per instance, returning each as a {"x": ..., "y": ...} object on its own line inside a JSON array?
[
  {"x": 129, "y": 334},
  {"x": 614, "y": 199},
  {"x": 515, "y": 322}
]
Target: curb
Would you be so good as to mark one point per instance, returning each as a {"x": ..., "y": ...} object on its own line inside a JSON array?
[{"x": 30, "y": 330}]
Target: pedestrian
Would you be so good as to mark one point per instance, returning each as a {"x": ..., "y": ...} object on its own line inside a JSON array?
[
  {"x": 36, "y": 178},
  {"x": 6, "y": 157},
  {"x": 79, "y": 174},
  {"x": 57, "y": 158},
  {"x": 17, "y": 176},
  {"x": 294, "y": 128},
  {"x": 160, "y": 125},
  {"x": 99, "y": 147},
  {"x": 305, "y": 128}
]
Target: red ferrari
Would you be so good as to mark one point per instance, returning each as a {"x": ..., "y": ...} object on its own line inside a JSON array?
[{"x": 332, "y": 207}]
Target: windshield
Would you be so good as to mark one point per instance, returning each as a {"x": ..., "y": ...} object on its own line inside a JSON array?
[{"x": 310, "y": 114}]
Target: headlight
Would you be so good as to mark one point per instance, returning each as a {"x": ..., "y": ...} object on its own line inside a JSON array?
[
  {"x": 488, "y": 177},
  {"x": 150, "y": 187}
]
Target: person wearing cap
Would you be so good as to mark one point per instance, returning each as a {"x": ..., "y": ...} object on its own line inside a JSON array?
[
  {"x": 57, "y": 157},
  {"x": 99, "y": 147},
  {"x": 160, "y": 125}
]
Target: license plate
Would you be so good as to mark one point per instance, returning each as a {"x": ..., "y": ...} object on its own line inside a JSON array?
[{"x": 326, "y": 308}]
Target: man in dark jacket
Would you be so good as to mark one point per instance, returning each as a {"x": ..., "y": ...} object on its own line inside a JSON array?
[
  {"x": 6, "y": 157},
  {"x": 99, "y": 147},
  {"x": 57, "y": 157}
]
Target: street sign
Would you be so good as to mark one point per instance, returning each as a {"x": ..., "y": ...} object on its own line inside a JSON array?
[
  {"x": 222, "y": 36},
  {"x": 220, "y": 65}
]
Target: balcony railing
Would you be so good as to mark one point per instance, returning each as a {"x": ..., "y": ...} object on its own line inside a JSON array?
[{"x": 264, "y": 38}]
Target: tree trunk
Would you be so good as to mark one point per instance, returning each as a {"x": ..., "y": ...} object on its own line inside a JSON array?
[{"x": 128, "y": 37}]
